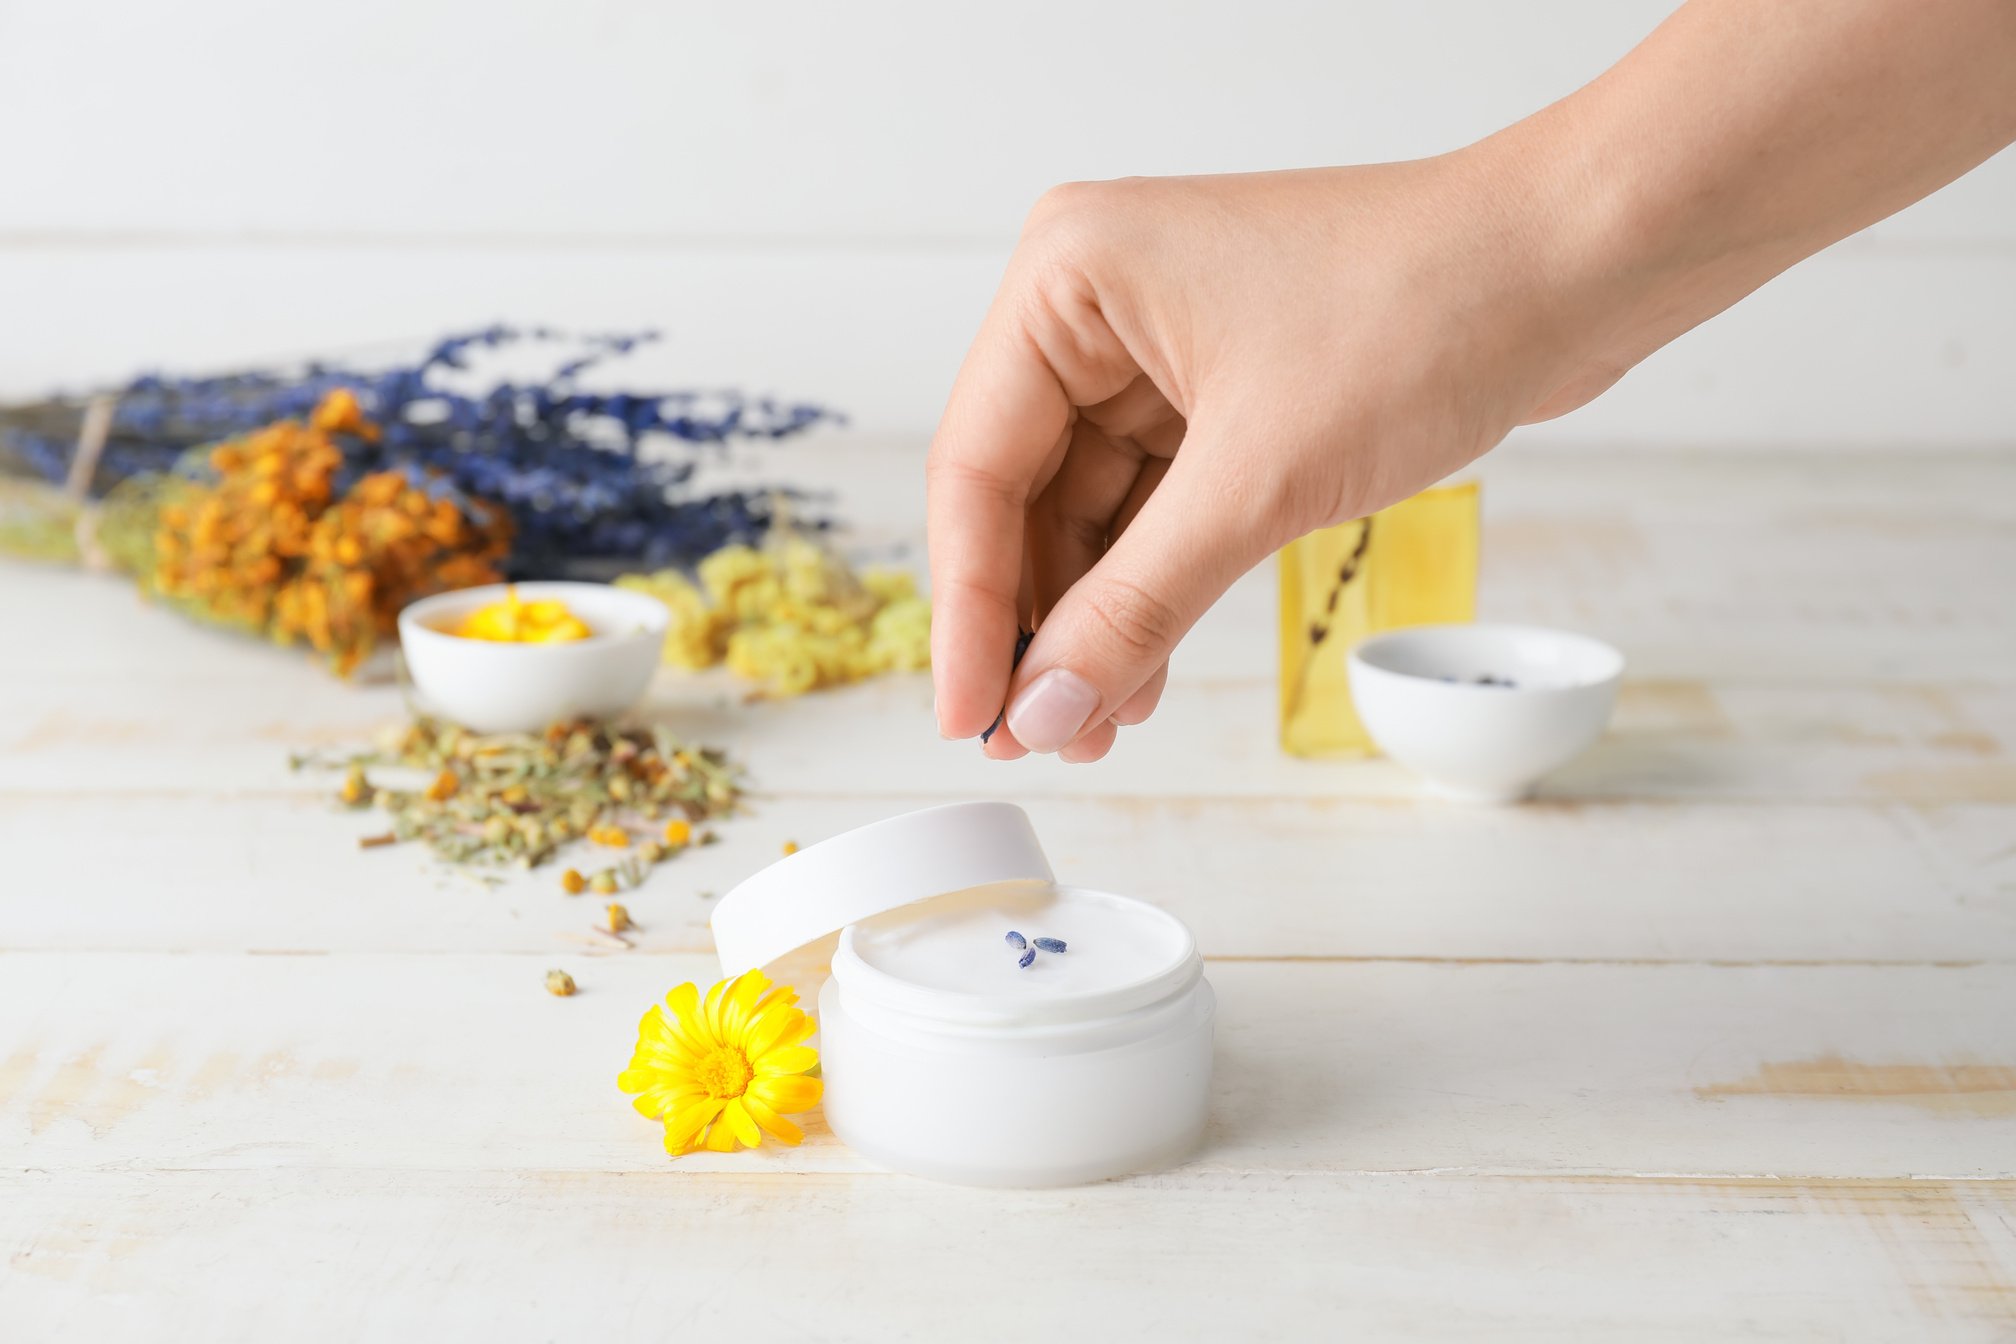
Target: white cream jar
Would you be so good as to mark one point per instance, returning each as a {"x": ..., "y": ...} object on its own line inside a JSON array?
[{"x": 943, "y": 1055}]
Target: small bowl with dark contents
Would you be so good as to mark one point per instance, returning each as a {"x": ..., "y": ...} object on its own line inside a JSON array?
[{"x": 1483, "y": 711}]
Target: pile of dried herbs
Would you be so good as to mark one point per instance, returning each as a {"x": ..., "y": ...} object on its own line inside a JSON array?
[{"x": 515, "y": 799}]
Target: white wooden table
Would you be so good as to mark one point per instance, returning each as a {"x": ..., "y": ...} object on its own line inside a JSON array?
[{"x": 1717, "y": 1040}]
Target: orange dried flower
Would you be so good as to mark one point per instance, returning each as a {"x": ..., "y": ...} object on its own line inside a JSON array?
[{"x": 271, "y": 547}]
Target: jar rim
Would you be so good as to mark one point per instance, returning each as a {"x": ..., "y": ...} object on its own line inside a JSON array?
[{"x": 953, "y": 1007}]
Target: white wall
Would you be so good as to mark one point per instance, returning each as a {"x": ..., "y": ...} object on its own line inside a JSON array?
[{"x": 816, "y": 198}]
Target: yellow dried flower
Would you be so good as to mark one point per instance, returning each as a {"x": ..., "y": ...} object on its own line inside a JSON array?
[
  {"x": 619, "y": 918},
  {"x": 615, "y": 837},
  {"x": 443, "y": 787},
  {"x": 790, "y": 848},
  {"x": 603, "y": 883},
  {"x": 572, "y": 882},
  {"x": 513, "y": 621},
  {"x": 559, "y": 983},
  {"x": 678, "y": 832},
  {"x": 696, "y": 634},
  {"x": 791, "y": 617}
]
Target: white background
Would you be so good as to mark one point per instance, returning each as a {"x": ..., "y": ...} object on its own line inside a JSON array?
[{"x": 816, "y": 199}]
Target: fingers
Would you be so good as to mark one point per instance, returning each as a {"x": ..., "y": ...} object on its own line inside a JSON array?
[
  {"x": 1137, "y": 707},
  {"x": 1002, "y": 746},
  {"x": 1106, "y": 638},
  {"x": 1071, "y": 521},
  {"x": 1003, "y": 432},
  {"x": 1092, "y": 745}
]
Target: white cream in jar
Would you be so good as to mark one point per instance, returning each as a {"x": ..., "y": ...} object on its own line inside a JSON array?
[{"x": 943, "y": 1057}]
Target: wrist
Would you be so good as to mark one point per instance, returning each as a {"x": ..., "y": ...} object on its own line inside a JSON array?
[{"x": 1625, "y": 247}]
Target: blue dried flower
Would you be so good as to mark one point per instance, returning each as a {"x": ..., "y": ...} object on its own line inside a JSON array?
[
  {"x": 565, "y": 462},
  {"x": 1026, "y": 958},
  {"x": 1021, "y": 647},
  {"x": 1050, "y": 944},
  {"x": 1016, "y": 940}
]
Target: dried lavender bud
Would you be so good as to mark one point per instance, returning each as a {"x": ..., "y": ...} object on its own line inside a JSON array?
[
  {"x": 1050, "y": 944},
  {"x": 1016, "y": 940},
  {"x": 1026, "y": 958},
  {"x": 1021, "y": 647}
]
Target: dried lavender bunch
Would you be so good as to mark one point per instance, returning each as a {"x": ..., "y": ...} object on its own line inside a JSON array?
[{"x": 564, "y": 461}]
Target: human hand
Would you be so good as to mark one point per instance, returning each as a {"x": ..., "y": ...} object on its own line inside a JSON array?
[{"x": 1181, "y": 375}]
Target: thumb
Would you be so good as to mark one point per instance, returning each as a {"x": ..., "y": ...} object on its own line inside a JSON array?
[{"x": 1111, "y": 632}]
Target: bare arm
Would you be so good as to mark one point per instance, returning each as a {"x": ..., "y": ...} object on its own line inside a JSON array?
[{"x": 1180, "y": 375}]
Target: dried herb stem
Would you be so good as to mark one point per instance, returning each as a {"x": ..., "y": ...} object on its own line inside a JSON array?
[{"x": 1320, "y": 628}]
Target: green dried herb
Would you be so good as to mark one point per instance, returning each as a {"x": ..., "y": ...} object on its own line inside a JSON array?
[{"x": 514, "y": 799}]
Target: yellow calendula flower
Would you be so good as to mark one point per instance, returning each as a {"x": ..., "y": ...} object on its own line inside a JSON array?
[{"x": 722, "y": 1073}]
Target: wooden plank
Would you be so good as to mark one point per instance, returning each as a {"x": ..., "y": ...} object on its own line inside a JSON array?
[
  {"x": 462, "y": 1061},
  {"x": 1908, "y": 743},
  {"x": 1252, "y": 878},
  {"x": 315, "y": 1254}
]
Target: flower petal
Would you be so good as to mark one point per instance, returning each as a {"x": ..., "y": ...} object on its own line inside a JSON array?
[
  {"x": 682, "y": 1001},
  {"x": 684, "y": 1123},
  {"x": 663, "y": 1053},
  {"x": 774, "y": 1027},
  {"x": 739, "y": 1007},
  {"x": 710, "y": 1011},
  {"x": 741, "y": 1124},
  {"x": 684, "y": 1021},
  {"x": 660, "y": 1033},
  {"x": 787, "y": 1095},
  {"x": 786, "y": 1059},
  {"x": 777, "y": 1125},
  {"x": 720, "y": 1139},
  {"x": 662, "y": 1096}
]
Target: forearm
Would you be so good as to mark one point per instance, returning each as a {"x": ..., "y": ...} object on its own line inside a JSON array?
[{"x": 1743, "y": 136}]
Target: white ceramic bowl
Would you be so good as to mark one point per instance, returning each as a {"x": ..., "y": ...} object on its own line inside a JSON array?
[
  {"x": 1423, "y": 696},
  {"x": 520, "y": 688}
]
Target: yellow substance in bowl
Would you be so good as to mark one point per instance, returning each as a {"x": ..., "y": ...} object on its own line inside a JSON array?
[{"x": 512, "y": 621}]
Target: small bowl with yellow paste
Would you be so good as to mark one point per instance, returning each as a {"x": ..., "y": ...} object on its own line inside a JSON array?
[{"x": 516, "y": 657}]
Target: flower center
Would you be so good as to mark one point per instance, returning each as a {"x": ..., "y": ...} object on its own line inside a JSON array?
[{"x": 724, "y": 1072}]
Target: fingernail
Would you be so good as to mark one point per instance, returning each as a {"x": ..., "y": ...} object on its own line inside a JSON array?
[{"x": 1052, "y": 710}]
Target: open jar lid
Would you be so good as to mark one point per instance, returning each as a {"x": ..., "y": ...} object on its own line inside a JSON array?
[{"x": 823, "y": 888}]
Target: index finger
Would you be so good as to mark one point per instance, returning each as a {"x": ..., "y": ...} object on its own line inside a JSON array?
[{"x": 1003, "y": 432}]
